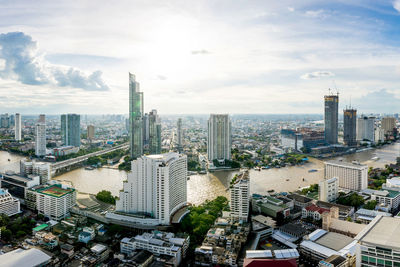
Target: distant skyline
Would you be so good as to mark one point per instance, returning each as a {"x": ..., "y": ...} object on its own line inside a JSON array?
[{"x": 199, "y": 57}]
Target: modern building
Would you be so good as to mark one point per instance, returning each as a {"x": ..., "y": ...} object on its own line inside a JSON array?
[
  {"x": 86, "y": 235},
  {"x": 352, "y": 176},
  {"x": 154, "y": 190},
  {"x": 54, "y": 201},
  {"x": 179, "y": 135},
  {"x": 17, "y": 185},
  {"x": 302, "y": 138},
  {"x": 388, "y": 124},
  {"x": 71, "y": 129},
  {"x": 350, "y": 127},
  {"x": 219, "y": 140},
  {"x": 154, "y": 133},
  {"x": 25, "y": 258},
  {"x": 90, "y": 132},
  {"x": 240, "y": 197},
  {"x": 270, "y": 206},
  {"x": 387, "y": 198},
  {"x": 379, "y": 135},
  {"x": 366, "y": 216},
  {"x": 8, "y": 204},
  {"x": 328, "y": 189},
  {"x": 366, "y": 129},
  {"x": 331, "y": 118},
  {"x": 40, "y": 137},
  {"x": 65, "y": 150},
  {"x": 18, "y": 127},
  {"x": 158, "y": 243},
  {"x": 135, "y": 118},
  {"x": 379, "y": 243},
  {"x": 41, "y": 169},
  {"x": 5, "y": 121}
]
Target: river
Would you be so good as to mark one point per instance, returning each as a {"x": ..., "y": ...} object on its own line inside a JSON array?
[{"x": 211, "y": 185}]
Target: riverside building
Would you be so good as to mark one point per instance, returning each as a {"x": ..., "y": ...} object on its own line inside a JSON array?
[
  {"x": 240, "y": 197},
  {"x": 352, "y": 176},
  {"x": 135, "y": 118},
  {"x": 219, "y": 137}
]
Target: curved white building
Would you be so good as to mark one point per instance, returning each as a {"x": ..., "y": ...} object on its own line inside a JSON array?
[{"x": 8, "y": 204}]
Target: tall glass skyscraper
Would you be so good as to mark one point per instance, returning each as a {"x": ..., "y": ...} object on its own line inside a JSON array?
[
  {"x": 135, "y": 118},
  {"x": 180, "y": 135},
  {"x": 349, "y": 127},
  {"x": 71, "y": 129},
  {"x": 154, "y": 133},
  {"x": 331, "y": 118},
  {"x": 219, "y": 137}
]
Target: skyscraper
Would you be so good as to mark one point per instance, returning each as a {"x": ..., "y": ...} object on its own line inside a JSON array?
[
  {"x": 179, "y": 135},
  {"x": 331, "y": 118},
  {"x": 135, "y": 118},
  {"x": 240, "y": 197},
  {"x": 154, "y": 133},
  {"x": 71, "y": 129},
  {"x": 350, "y": 127},
  {"x": 155, "y": 188},
  {"x": 90, "y": 132},
  {"x": 40, "y": 136},
  {"x": 366, "y": 129},
  {"x": 219, "y": 137},
  {"x": 388, "y": 124},
  {"x": 18, "y": 127}
]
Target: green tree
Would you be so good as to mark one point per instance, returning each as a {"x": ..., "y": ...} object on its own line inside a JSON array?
[
  {"x": 106, "y": 197},
  {"x": 370, "y": 205},
  {"x": 6, "y": 234}
]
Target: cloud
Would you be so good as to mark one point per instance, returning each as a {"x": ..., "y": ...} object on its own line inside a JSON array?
[
  {"x": 200, "y": 52},
  {"x": 317, "y": 75},
  {"x": 317, "y": 14},
  {"x": 291, "y": 9},
  {"x": 381, "y": 101},
  {"x": 396, "y": 5},
  {"x": 22, "y": 62}
]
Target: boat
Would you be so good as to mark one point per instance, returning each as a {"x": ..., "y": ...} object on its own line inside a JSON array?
[
  {"x": 89, "y": 168},
  {"x": 271, "y": 191},
  {"x": 304, "y": 180},
  {"x": 287, "y": 179},
  {"x": 375, "y": 158},
  {"x": 188, "y": 178},
  {"x": 203, "y": 172},
  {"x": 9, "y": 159},
  {"x": 312, "y": 170}
]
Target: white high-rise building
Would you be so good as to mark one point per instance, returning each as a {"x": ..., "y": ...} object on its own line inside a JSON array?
[
  {"x": 352, "y": 176},
  {"x": 155, "y": 189},
  {"x": 18, "y": 127},
  {"x": 366, "y": 128},
  {"x": 379, "y": 134},
  {"x": 41, "y": 169},
  {"x": 40, "y": 136},
  {"x": 240, "y": 197},
  {"x": 179, "y": 135},
  {"x": 328, "y": 189},
  {"x": 8, "y": 204},
  {"x": 219, "y": 137}
]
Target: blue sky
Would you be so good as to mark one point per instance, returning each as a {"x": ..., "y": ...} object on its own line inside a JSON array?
[{"x": 199, "y": 56}]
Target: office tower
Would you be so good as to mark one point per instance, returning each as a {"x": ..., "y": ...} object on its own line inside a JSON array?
[
  {"x": 331, "y": 118},
  {"x": 366, "y": 129},
  {"x": 180, "y": 135},
  {"x": 240, "y": 197},
  {"x": 351, "y": 176},
  {"x": 146, "y": 130},
  {"x": 135, "y": 118},
  {"x": 219, "y": 137},
  {"x": 154, "y": 133},
  {"x": 328, "y": 189},
  {"x": 5, "y": 121},
  {"x": 350, "y": 127},
  {"x": 40, "y": 136},
  {"x": 388, "y": 124},
  {"x": 155, "y": 188},
  {"x": 90, "y": 132},
  {"x": 71, "y": 129},
  {"x": 18, "y": 127},
  {"x": 379, "y": 135}
]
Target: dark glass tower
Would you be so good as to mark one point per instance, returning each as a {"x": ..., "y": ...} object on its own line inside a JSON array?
[
  {"x": 71, "y": 129},
  {"x": 349, "y": 127},
  {"x": 331, "y": 118},
  {"x": 135, "y": 118}
]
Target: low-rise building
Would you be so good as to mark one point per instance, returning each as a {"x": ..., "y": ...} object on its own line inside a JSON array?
[
  {"x": 65, "y": 150},
  {"x": 47, "y": 239},
  {"x": 332, "y": 223},
  {"x": 8, "y": 204},
  {"x": 344, "y": 211},
  {"x": 366, "y": 216},
  {"x": 270, "y": 206},
  {"x": 314, "y": 212},
  {"x": 67, "y": 249},
  {"x": 389, "y": 198},
  {"x": 20, "y": 257},
  {"x": 300, "y": 200},
  {"x": 86, "y": 235}
]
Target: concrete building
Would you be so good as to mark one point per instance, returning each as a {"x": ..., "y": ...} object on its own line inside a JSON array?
[
  {"x": 219, "y": 140},
  {"x": 350, "y": 127},
  {"x": 302, "y": 138},
  {"x": 379, "y": 243},
  {"x": 313, "y": 212},
  {"x": 331, "y": 118},
  {"x": 379, "y": 135},
  {"x": 40, "y": 137},
  {"x": 388, "y": 124},
  {"x": 352, "y": 176},
  {"x": 366, "y": 129},
  {"x": 65, "y": 150},
  {"x": 179, "y": 134},
  {"x": 366, "y": 216},
  {"x": 17, "y": 185},
  {"x": 8, "y": 204},
  {"x": 41, "y": 169},
  {"x": 240, "y": 197},
  {"x": 158, "y": 243},
  {"x": 154, "y": 133},
  {"x": 328, "y": 189},
  {"x": 135, "y": 118},
  {"x": 18, "y": 127},
  {"x": 25, "y": 258},
  {"x": 90, "y": 132},
  {"x": 154, "y": 190},
  {"x": 71, "y": 129},
  {"x": 332, "y": 223},
  {"x": 54, "y": 201},
  {"x": 389, "y": 199}
]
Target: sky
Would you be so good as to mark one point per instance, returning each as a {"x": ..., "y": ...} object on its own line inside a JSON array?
[{"x": 199, "y": 57}]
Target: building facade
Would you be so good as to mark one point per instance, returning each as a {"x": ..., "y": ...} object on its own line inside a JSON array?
[
  {"x": 41, "y": 169},
  {"x": 331, "y": 118},
  {"x": 350, "y": 127},
  {"x": 179, "y": 135},
  {"x": 240, "y": 197},
  {"x": 135, "y": 118},
  {"x": 40, "y": 137},
  {"x": 71, "y": 129},
  {"x": 155, "y": 188},
  {"x": 366, "y": 129},
  {"x": 388, "y": 124},
  {"x": 351, "y": 176},
  {"x": 18, "y": 127},
  {"x": 90, "y": 132},
  {"x": 8, "y": 204},
  {"x": 328, "y": 189},
  {"x": 219, "y": 137},
  {"x": 154, "y": 133}
]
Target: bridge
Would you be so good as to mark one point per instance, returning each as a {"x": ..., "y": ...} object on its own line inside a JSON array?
[{"x": 69, "y": 162}]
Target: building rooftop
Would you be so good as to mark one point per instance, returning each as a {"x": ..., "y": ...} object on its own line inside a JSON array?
[
  {"x": 40, "y": 227},
  {"x": 334, "y": 241},
  {"x": 382, "y": 231},
  {"x": 293, "y": 229},
  {"x": 315, "y": 208},
  {"x": 55, "y": 190},
  {"x": 347, "y": 164},
  {"x": 300, "y": 198},
  {"x": 335, "y": 260},
  {"x": 24, "y": 258}
]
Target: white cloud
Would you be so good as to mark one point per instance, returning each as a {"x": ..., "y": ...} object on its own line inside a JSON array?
[
  {"x": 396, "y": 5},
  {"x": 291, "y": 9},
  {"x": 317, "y": 75}
]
